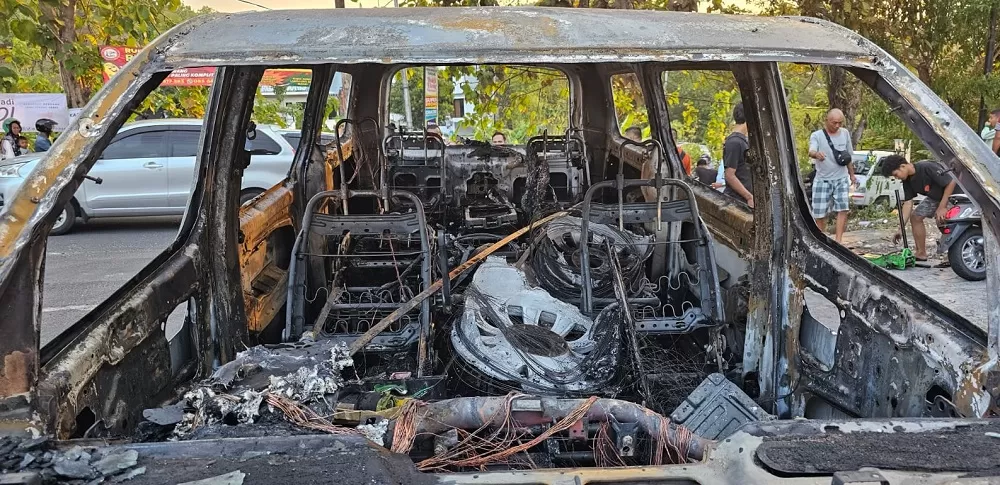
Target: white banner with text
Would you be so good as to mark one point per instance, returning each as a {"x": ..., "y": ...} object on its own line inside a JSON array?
[{"x": 29, "y": 108}]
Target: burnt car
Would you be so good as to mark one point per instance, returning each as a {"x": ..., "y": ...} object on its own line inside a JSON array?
[{"x": 537, "y": 313}]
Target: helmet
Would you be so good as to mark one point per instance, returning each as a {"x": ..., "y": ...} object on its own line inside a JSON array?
[
  {"x": 8, "y": 122},
  {"x": 45, "y": 125}
]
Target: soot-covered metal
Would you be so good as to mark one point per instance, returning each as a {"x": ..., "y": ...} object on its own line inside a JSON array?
[{"x": 491, "y": 308}]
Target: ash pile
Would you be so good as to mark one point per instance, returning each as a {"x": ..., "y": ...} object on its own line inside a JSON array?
[
  {"x": 266, "y": 391},
  {"x": 39, "y": 461}
]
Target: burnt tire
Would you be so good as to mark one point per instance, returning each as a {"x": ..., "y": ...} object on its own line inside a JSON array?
[
  {"x": 248, "y": 195},
  {"x": 967, "y": 256},
  {"x": 65, "y": 221}
]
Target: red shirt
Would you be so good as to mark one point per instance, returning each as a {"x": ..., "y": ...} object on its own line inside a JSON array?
[{"x": 685, "y": 160}]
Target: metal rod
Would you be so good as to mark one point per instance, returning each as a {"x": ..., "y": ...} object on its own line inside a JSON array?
[
  {"x": 340, "y": 162},
  {"x": 902, "y": 223},
  {"x": 416, "y": 300},
  {"x": 365, "y": 306},
  {"x": 446, "y": 282},
  {"x": 659, "y": 181},
  {"x": 401, "y": 254},
  {"x": 340, "y": 154}
]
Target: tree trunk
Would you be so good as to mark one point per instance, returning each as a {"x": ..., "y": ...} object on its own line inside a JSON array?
[
  {"x": 843, "y": 91},
  {"x": 583, "y": 4},
  {"x": 991, "y": 47},
  {"x": 924, "y": 71},
  {"x": 76, "y": 97},
  {"x": 338, "y": 3},
  {"x": 859, "y": 131},
  {"x": 682, "y": 5}
]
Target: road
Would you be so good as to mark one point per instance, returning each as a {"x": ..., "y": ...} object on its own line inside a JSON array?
[
  {"x": 967, "y": 298},
  {"x": 87, "y": 265}
]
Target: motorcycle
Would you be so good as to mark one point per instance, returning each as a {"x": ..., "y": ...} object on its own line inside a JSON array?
[{"x": 962, "y": 239}]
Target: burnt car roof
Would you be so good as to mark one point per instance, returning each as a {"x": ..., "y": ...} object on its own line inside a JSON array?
[{"x": 499, "y": 34}]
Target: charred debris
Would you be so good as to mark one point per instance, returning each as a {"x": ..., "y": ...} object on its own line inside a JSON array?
[{"x": 505, "y": 325}]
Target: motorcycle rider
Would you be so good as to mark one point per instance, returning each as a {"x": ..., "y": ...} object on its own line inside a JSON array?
[
  {"x": 44, "y": 140},
  {"x": 927, "y": 178}
]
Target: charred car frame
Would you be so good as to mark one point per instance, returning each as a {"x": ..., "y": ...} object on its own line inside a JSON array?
[{"x": 557, "y": 344}]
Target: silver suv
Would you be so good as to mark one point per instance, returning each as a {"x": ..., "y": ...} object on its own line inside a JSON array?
[{"x": 148, "y": 169}]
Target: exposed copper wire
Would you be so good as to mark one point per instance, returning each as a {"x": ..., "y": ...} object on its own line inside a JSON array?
[
  {"x": 499, "y": 449},
  {"x": 300, "y": 415}
]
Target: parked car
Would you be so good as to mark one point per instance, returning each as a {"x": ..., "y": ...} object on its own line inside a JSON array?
[
  {"x": 872, "y": 186},
  {"x": 294, "y": 136},
  {"x": 148, "y": 169}
]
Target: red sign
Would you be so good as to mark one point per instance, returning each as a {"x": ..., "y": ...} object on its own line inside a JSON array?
[
  {"x": 115, "y": 58},
  {"x": 294, "y": 80},
  {"x": 193, "y": 76}
]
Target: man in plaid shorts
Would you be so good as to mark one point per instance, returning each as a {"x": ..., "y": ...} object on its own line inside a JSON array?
[{"x": 832, "y": 185}]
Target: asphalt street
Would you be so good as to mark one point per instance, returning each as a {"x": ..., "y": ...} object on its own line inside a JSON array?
[{"x": 87, "y": 265}]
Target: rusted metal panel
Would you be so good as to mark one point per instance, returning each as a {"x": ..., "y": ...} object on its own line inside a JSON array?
[
  {"x": 499, "y": 34},
  {"x": 32, "y": 211},
  {"x": 727, "y": 222},
  {"x": 267, "y": 214},
  {"x": 101, "y": 371},
  {"x": 21, "y": 302}
]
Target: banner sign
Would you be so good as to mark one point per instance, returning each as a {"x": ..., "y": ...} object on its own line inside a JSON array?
[
  {"x": 115, "y": 58},
  {"x": 29, "y": 108},
  {"x": 430, "y": 95},
  {"x": 192, "y": 76},
  {"x": 295, "y": 81},
  {"x": 74, "y": 113}
]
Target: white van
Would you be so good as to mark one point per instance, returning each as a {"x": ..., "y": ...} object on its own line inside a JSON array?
[{"x": 872, "y": 186}]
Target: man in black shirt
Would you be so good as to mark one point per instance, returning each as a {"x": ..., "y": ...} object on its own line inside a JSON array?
[
  {"x": 734, "y": 156},
  {"x": 927, "y": 178},
  {"x": 703, "y": 172}
]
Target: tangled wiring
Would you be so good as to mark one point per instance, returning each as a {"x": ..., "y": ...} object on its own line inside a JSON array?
[{"x": 556, "y": 258}]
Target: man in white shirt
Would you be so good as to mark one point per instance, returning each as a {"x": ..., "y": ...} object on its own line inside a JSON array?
[
  {"x": 830, "y": 149},
  {"x": 990, "y": 130}
]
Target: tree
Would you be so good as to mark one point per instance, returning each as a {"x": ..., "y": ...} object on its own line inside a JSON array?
[
  {"x": 68, "y": 33},
  {"x": 23, "y": 68},
  {"x": 991, "y": 49},
  {"x": 942, "y": 41},
  {"x": 520, "y": 101}
]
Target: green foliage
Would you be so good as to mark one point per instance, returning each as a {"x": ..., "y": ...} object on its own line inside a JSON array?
[
  {"x": 274, "y": 110},
  {"x": 701, "y": 106},
  {"x": 23, "y": 68},
  {"x": 942, "y": 41},
  {"x": 630, "y": 104},
  {"x": 175, "y": 102},
  {"x": 61, "y": 37},
  {"x": 805, "y": 90},
  {"x": 519, "y": 101}
]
